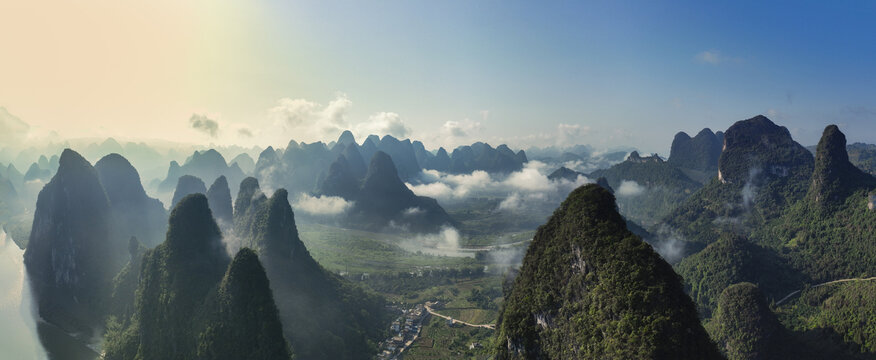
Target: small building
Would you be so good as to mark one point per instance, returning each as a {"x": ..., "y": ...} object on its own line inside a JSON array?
[
  {"x": 872, "y": 204},
  {"x": 450, "y": 321},
  {"x": 396, "y": 326}
]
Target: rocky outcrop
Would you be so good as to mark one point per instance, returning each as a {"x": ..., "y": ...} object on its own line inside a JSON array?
[
  {"x": 590, "y": 289},
  {"x": 71, "y": 257},
  {"x": 219, "y": 198},
  {"x": 834, "y": 177},
  {"x": 699, "y": 153},
  {"x": 134, "y": 213},
  {"x": 759, "y": 145},
  {"x": 187, "y": 185}
]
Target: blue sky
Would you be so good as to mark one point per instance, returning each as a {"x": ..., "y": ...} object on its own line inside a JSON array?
[{"x": 528, "y": 73}]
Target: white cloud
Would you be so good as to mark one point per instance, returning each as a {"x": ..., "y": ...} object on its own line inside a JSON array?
[
  {"x": 529, "y": 178},
  {"x": 464, "y": 128},
  {"x": 438, "y": 190},
  {"x": 569, "y": 134},
  {"x": 444, "y": 242},
  {"x": 310, "y": 121},
  {"x": 383, "y": 123},
  {"x": 629, "y": 188},
  {"x": 321, "y": 205},
  {"x": 204, "y": 124},
  {"x": 523, "y": 190},
  {"x": 245, "y": 132},
  {"x": 563, "y": 135},
  {"x": 511, "y": 203},
  {"x": 413, "y": 211}
]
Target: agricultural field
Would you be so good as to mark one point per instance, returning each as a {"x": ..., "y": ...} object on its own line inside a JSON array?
[
  {"x": 440, "y": 341},
  {"x": 356, "y": 251}
]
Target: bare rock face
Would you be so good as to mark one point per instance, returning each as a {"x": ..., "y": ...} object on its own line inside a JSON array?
[
  {"x": 835, "y": 177},
  {"x": 636, "y": 158},
  {"x": 71, "y": 257},
  {"x": 700, "y": 152},
  {"x": 187, "y": 185},
  {"x": 219, "y": 198},
  {"x": 134, "y": 212},
  {"x": 758, "y": 143}
]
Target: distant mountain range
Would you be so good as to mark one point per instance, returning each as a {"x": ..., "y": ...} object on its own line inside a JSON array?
[
  {"x": 771, "y": 226},
  {"x": 302, "y": 167},
  {"x": 381, "y": 200},
  {"x": 206, "y": 165}
]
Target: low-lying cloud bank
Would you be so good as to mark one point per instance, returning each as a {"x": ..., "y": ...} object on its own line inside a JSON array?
[
  {"x": 630, "y": 188},
  {"x": 321, "y": 205},
  {"x": 521, "y": 190},
  {"x": 445, "y": 242},
  {"x": 17, "y": 310}
]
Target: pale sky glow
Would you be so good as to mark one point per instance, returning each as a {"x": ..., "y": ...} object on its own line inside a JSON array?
[{"x": 447, "y": 72}]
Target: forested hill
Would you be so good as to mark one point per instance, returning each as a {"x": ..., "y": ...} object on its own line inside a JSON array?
[
  {"x": 589, "y": 288},
  {"x": 323, "y": 316}
]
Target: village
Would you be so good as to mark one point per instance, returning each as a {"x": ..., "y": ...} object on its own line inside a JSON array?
[{"x": 403, "y": 332}]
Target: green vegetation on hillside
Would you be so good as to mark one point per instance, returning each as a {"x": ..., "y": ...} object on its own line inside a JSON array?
[
  {"x": 665, "y": 187},
  {"x": 839, "y": 316},
  {"x": 731, "y": 260},
  {"x": 589, "y": 288},
  {"x": 440, "y": 341},
  {"x": 744, "y": 326},
  {"x": 323, "y": 315}
]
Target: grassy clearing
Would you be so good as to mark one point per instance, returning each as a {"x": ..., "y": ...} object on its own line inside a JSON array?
[
  {"x": 357, "y": 251},
  {"x": 455, "y": 298},
  {"x": 439, "y": 341}
]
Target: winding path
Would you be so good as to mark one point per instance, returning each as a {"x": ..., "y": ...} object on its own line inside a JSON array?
[
  {"x": 486, "y": 326},
  {"x": 795, "y": 292}
]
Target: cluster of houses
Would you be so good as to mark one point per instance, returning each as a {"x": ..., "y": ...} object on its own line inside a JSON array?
[{"x": 403, "y": 332}]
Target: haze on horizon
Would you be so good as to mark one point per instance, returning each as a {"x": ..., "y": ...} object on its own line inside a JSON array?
[{"x": 447, "y": 73}]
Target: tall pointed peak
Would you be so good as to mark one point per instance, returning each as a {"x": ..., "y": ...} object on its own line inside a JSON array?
[
  {"x": 681, "y": 136},
  {"x": 249, "y": 186},
  {"x": 381, "y": 165},
  {"x": 745, "y": 326},
  {"x": 340, "y": 180},
  {"x": 248, "y": 324},
  {"x": 72, "y": 160},
  {"x": 248, "y": 191},
  {"x": 279, "y": 234},
  {"x": 705, "y": 132},
  {"x": 219, "y": 197},
  {"x": 834, "y": 177},
  {"x": 191, "y": 226},
  {"x": 346, "y": 138},
  {"x": 389, "y": 138},
  {"x": 603, "y": 182},
  {"x": 245, "y": 271},
  {"x": 268, "y": 152},
  {"x": 832, "y": 146},
  {"x": 587, "y": 232},
  {"x": 119, "y": 177},
  {"x": 186, "y": 185},
  {"x": 759, "y": 144},
  {"x": 220, "y": 182}
]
